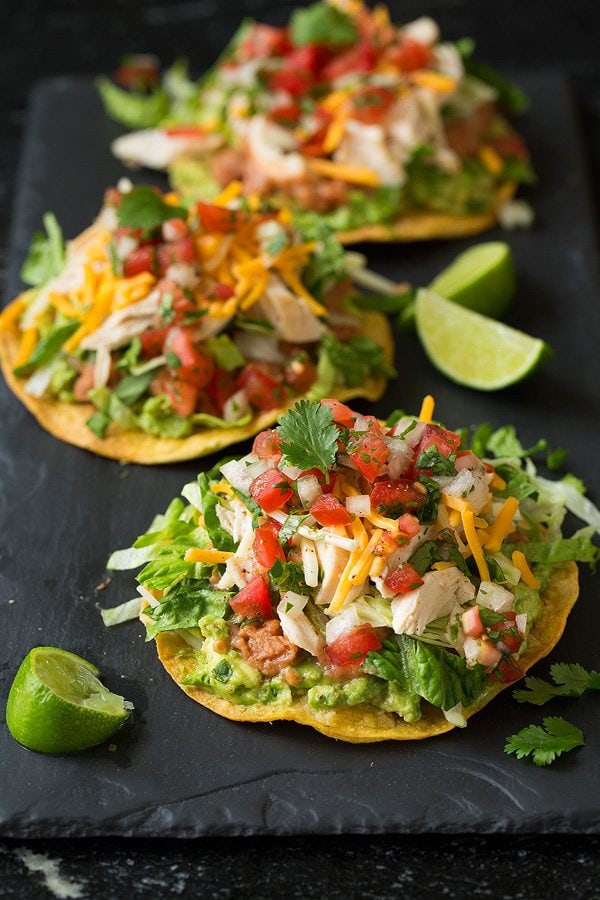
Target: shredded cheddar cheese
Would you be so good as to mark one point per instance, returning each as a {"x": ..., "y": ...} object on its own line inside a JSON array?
[
  {"x": 344, "y": 171},
  {"x": 519, "y": 561},
  {"x": 26, "y": 347},
  {"x": 502, "y": 525},
  {"x": 491, "y": 160},
  {"x": 434, "y": 81},
  {"x": 427, "y": 408},
  {"x": 474, "y": 544},
  {"x": 211, "y": 556}
]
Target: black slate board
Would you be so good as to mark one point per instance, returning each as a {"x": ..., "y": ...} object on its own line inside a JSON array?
[{"x": 180, "y": 770}]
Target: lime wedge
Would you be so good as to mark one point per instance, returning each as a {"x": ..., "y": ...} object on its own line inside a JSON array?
[
  {"x": 57, "y": 704},
  {"x": 473, "y": 350},
  {"x": 482, "y": 278}
]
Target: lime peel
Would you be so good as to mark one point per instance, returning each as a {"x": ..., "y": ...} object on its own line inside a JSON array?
[
  {"x": 472, "y": 349},
  {"x": 57, "y": 704}
]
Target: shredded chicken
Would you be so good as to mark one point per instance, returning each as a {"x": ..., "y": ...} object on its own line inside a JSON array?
[{"x": 290, "y": 315}]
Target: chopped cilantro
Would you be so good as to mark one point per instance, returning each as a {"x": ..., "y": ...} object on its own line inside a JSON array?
[
  {"x": 542, "y": 745},
  {"x": 308, "y": 436},
  {"x": 143, "y": 208}
]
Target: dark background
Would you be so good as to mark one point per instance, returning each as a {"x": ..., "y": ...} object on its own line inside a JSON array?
[{"x": 39, "y": 40}]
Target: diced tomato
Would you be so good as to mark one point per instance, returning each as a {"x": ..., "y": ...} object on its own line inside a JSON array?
[
  {"x": 509, "y": 635},
  {"x": 142, "y": 259},
  {"x": 267, "y": 445},
  {"x": 403, "y": 579},
  {"x": 394, "y": 498},
  {"x": 353, "y": 646},
  {"x": 253, "y": 601},
  {"x": 183, "y": 307},
  {"x": 370, "y": 104},
  {"x": 174, "y": 230},
  {"x": 408, "y": 525},
  {"x": 271, "y": 490},
  {"x": 185, "y": 131},
  {"x": 182, "y": 396},
  {"x": 265, "y": 41},
  {"x": 138, "y": 72},
  {"x": 218, "y": 219},
  {"x": 508, "y": 671},
  {"x": 197, "y": 367},
  {"x": 369, "y": 455},
  {"x": 447, "y": 442},
  {"x": 286, "y": 114},
  {"x": 263, "y": 391},
  {"x": 113, "y": 197},
  {"x": 152, "y": 340},
  {"x": 294, "y": 82},
  {"x": 266, "y": 547},
  {"x": 222, "y": 386},
  {"x": 181, "y": 251},
  {"x": 328, "y": 510},
  {"x": 361, "y": 58},
  {"x": 471, "y": 622},
  {"x": 220, "y": 291},
  {"x": 409, "y": 55},
  {"x": 314, "y": 146},
  {"x": 327, "y": 486},
  {"x": 509, "y": 145},
  {"x": 342, "y": 414},
  {"x": 300, "y": 374}
]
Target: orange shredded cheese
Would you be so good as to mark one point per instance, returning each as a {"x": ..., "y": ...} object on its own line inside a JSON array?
[
  {"x": 427, "y": 408},
  {"x": 474, "y": 544},
  {"x": 519, "y": 561},
  {"x": 434, "y": 81},
  {"x": 344, "y": 171},
  {"x": 497, "y": 483},
  {"x": 455, "y": 502},
  {"x": 438, "y": 566},
  {"x": 502, "y": 525},
  {"x": 491, "y": 159},
  {"x": 231, "y": 192},
  {"x": 197, "y": 554},
  {"x": 9, "y": 315},
  {"x": 26, "y": 347}
]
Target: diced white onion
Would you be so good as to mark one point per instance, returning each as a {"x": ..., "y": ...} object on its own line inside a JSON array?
[
  {"x": 124, "y": 245},
  {"x": 145, "y": 593},
  {"x": 495, "y": 597},
  {"x": 400, "y": 455},
  {"x": 292, "y": 472},
  {"x": 413, "y": 436},
  {"x": 264, "y": 347},
  {"x": 360, "y": 424},
  {"x": 236, "y": 406},
  {"x": 321, "y": 534},
  {"x": 102, "y": 367},
  {"x": 455, "y": 716},
  {"x": 37, "y": 384},
  {"x": 239, "y": 474},
  {"x": 360, "y": 505},
  {"x": 344, "y": 621},
  {"x": 310, "y": 562},
  {"x": 184, "y": 274},
  {"x": 308, "y": 490},
  {"x": 521, "y": 623}
]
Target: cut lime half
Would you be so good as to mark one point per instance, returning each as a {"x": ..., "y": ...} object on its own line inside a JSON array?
[
  {"x": 57, "y": 704},
  {"x": 482, "y": 278},
  {"x": 473, "y": 350}
]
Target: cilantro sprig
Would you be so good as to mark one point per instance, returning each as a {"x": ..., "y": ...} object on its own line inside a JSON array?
[
  {"x": 570, "y": 680},
  {"x": 545, "y": 744},
  {"x": 308, "y": 436},
  {"x": 143, "y": 208}
]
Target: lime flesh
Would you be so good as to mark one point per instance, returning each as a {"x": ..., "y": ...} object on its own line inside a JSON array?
[
  {"x": 482, "y": 278},
  {"x": 473, "y": 350},
  {"x": 57, "y": 704}
]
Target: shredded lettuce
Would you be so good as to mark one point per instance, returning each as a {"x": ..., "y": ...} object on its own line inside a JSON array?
[
  {"x": 184, "y": 606},
  {"x": 225, "y": 352},
  {"x": 46, "y": 256},
  {"x": 130, "y": 558},
  {"x": 48, "y": 347},
  {"x": 125, "y": 612},
  {"x": 133, "y": 108}
]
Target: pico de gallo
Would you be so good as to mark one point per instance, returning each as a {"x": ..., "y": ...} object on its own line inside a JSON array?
[
  {"x": 171, "y": 319},
  {"x": 340, "y": 112},
  {"x": 348, "y": 561}
]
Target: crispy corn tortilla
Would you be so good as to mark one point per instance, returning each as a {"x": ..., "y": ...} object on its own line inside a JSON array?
[
  {"x": 365, "y": 724},
  {"x": 67, "y": 421},
  {"x": 427, "y": 226}
]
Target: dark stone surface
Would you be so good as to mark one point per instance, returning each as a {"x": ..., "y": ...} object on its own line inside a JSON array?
[{"x": 42, "y": 39}]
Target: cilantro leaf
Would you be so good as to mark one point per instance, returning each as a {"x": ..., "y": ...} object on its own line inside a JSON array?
[
  {"x": 570, "y": 680},
  {"x": 288, "y": 576},
  {"x": 437, "y": 464},
  {"x": 308, "y": 436},
  {"x": 542, "y": 745},
  {"x": 143, "y": 208},
  {"x": 322, "y": 23},
  {"x": 289, "y": 528}
]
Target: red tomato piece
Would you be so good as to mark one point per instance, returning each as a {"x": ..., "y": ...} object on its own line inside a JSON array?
[
  {"x": 509, "y": 671},
  {"x": 342, "y": 414},
  {"x": 292, "y": 82},
  {"x": 263, "y": 391},
  {"x": 509, "y": 145},
  {"x": 353, "y": 646},
  {"x": 222, "y": 386},
  {"x": 403, "y": 579},
  {"x": 182, "y": 396},
  {"x": 446, "y": 441},
  {"x": 139, "y": 72},
  {"x": 369, "y": 455},
  {"x": 196, "y": 368},
  {"x": 326, "y": 486},
  {"x": 409, "y": 55},
  {"x": 300, "y": 374},
  {"x": 265, "y": 41},
  {"x": 266, "y": 547},
  {"x": 287, "y": 114},
  {"x": 174, "y": 230},
  {"x": 253, "y": 601},
  {"x": 271, "y": 490},
  {"x": 328, "y": 510},
  {"x": 408, "y": 525},
  {"x": 142, "y": 259},
  {"x": 267, "y": 445},
  {"x": 218, "y": 219},
  {"x": 221, "y": 291},
  {"x": 509, "y": 635},
  {"x": 181, "y": 251},
  {"x": 361, "y": 58},
  {"x": 394, "y": 498},
  {"x": 471, "y": 622},
  {"x": 152, "y": 340},
  {"x": 370, "y": 104}
]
